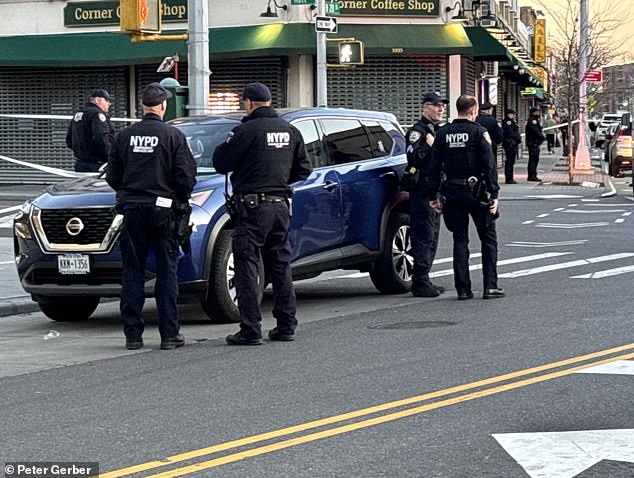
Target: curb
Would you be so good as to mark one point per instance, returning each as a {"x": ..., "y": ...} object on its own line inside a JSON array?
[
  {"x": 608, "y": 181},
  {"x": 17, "y": 305}
]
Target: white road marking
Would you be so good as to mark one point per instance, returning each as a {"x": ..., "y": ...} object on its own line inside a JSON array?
[
  {"x": 528, "y": 222},
  {"x": 585, "y": 211},
  {"x": 606, "y": 273},
  {"x": 620, "y": 367},
  {"x": 619, "y": 221},
  {"x": 546, "y": 244},
  {"x": 609, "y": 205},
  {"x": 543, "y": 215},
  {"x": 554, "y": 196},
  {"x": 626, "y": 214},
  {"x": 573, "y": 205},
  {"x": 565, "y": 265},
  {"x": 448, "y": 272},
  {"x": 571, "y": 226},
  {"x": 558, "y": 209},
  {"x": 567, "y": 454},
  {"x": 630, "y": 198},
  {"x": 589, "y": 200}
]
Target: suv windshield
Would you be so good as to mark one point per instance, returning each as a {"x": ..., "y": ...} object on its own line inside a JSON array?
[{"x": 203, "y": 139}]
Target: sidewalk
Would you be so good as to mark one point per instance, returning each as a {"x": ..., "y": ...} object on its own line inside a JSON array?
[{"x": 552, "y": 170}]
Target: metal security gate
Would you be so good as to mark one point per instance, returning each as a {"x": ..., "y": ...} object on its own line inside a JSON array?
[
  {"x": 229, "y": 76},
  {"x": 392, "y": 84},
  {"x": 48, "y": 91}
]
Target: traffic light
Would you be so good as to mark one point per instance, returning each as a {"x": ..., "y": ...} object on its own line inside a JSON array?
[
  {"x": 140, "y": 16},
  {"x": 351, "y": 52}
]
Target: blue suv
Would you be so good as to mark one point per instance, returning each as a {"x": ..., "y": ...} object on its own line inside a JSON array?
[{"x": 348, "y": 214}]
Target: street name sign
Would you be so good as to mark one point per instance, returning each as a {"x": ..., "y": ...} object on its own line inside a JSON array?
[
  {"x": 332, "y": 8},
  {"x": 594, "y": 75},
  {"x": 302, "y": 2},
  {"x": 326, "y": 24}
]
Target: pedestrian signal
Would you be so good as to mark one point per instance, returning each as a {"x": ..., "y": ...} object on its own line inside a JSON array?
[
  {"x": 140, "y": 16},
  {"x": 351, "y": 53}
]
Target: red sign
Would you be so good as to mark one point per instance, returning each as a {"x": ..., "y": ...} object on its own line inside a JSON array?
[{"x": 594, "y": 75}]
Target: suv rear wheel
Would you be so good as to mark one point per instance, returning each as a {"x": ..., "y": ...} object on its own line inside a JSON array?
[
  {"x": 392, "y": 272},
  {"x": 220, "y": 301},
  {"x": 68, "y": 309}
]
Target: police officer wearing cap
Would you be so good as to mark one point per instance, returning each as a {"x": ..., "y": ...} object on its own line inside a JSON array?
[
  {"x": 424, "y": 221},
  {"x": 153, "y": 172},
  {"x": 534, "y": 138},
  {"x": 462, "y": 153},
  {"x": 264, "y": 154},
  {"x": 90, "y": 133},
  {"x": 511, "y": 141},
  {"x": 486, "y": 119}
]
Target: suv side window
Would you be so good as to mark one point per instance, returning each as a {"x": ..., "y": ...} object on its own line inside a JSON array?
[
  {"x": 381, "y": 141},
  {"x": 346, "y": 140},
  {"x": 309, "y": 132}
]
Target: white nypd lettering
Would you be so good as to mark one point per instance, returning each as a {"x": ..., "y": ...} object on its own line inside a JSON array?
[
  {"x": 457, "y": 140},
  {"x": 278, "y": 139},
  {"x": 143, "y": 144}
]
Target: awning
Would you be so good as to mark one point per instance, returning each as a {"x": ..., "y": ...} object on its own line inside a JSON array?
[
  {"x": 485, "y": 46},
  {"x": 114, "y": 48},
  {"x": 512, "y": 68}
]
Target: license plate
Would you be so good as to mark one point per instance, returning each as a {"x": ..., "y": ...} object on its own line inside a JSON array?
[{"x": 73, "y": 264}]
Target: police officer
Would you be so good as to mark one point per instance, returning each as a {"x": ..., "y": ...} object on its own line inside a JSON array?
[
  {"x": 534, "y": 138},
  {"x": 486, "y": 119},
  {"x": 462, "y": 152},
  {"x": 511, "y": 141},
  {"x": 424, "y": 221},
  {"x": 153, "y": 172},
  {"x": 265, "y": 154},
  {"x": 90, "y": 133}
]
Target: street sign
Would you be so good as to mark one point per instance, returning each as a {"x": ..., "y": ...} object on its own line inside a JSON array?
[
  {"x": 302, "y": 2},
  {"x": 332, "y": 8},
  {"x": 326, "y": 24},
  {"x": 594, "y": 75}
]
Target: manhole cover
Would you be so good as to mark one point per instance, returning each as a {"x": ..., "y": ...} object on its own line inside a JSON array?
[{"x": 422, "y": 324}]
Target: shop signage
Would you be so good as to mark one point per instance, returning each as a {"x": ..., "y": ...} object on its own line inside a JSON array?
[
  {"x": 84, "y": 14},
  {"x": 420, "y": 8},
  {"x": 539, "y": 41}
]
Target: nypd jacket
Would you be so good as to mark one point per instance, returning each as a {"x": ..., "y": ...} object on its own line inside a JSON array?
[
  {"x": 90, "y": 134},
  {"x": 491, "y": 125},
  {"x": 419, "y": 152},
  {"x": 151, "y": 159},
  {"x": 511, "y": 132},
  {"x": 265, "y": 154},
  {"x": 534, "y": 133},
  {"x": 463, "y": 149}
]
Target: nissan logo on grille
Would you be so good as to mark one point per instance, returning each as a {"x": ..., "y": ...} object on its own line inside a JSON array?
[{"x": 74, "y": 226}]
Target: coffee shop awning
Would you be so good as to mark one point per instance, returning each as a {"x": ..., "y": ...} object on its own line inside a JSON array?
[
  {"x": 114, "y": 48},
  {"x": 485, "y": 46}
]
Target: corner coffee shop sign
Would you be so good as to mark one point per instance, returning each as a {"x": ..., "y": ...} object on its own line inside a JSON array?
[
  {"x": 82, "y": 14},
  {"x": 421, "y": 8}
]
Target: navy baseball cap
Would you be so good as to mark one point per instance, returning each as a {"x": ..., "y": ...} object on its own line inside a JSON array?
[
  {"x": 486, "y": 106},
  {"x": 101, "y": 93},
  {"x": 434, "y": 98},
  {"x": 154, "y": 94},
  {"x": 257, "y": 92},
  {"x": 510, "y": 111}
]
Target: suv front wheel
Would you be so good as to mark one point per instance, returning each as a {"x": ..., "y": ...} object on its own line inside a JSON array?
[
  {"x": 68, "y": 309},
  {"x": 392, "y": 272}
]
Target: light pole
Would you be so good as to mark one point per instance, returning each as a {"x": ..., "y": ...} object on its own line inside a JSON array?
[
  {"x": 582, "y": 163},
  {"x": 198, "y": 56},
  {"x": 322, "y": 90}
]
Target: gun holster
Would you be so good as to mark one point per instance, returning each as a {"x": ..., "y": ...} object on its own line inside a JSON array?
[{"x": 181, "y": 227}]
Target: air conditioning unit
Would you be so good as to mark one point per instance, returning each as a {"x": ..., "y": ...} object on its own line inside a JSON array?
[{"x": 487, "y": 22}]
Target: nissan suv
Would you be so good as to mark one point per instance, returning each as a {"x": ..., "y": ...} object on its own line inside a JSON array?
[{"x": 348, "y": 214}]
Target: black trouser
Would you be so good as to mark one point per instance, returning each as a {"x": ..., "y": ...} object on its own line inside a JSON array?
[
  {"x": 459, "y": 205},
  {"x": 510, "y": 154},
  {"x": 82, "y": 166},
  {"x": 424, "y": 229},
  {"x": 550, "y": 140},
  {"x": 533, "y": 161},
  {"x": 148, "y": 226},
  {"x": 264, "y": 233}
]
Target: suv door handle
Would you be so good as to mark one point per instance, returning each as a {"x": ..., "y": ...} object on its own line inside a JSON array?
[
  {"x": 388, "y": 174},
  {"x": 330, "y": 185}
]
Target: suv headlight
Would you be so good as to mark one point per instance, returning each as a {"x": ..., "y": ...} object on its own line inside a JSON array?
[{"x": 21, "y": 221}]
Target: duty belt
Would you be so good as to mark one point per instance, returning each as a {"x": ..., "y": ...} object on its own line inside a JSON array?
[
  {"x": 470, "y": 181},
  {"x": 256, "y": 198}
]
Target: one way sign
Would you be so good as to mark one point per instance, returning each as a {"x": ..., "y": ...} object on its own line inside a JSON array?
[{"x": 326, "y": 24}]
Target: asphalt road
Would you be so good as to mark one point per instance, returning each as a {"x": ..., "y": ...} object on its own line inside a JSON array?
[{"x": 374, "y": 386}]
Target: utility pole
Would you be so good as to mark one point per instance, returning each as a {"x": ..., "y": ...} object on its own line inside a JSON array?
[
  {"x": 582, "y": 163},
  {"x": 198, "y": 56},
  {"x": 322, "y": 91}
]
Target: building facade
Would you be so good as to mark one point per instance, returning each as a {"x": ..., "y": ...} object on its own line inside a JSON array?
[{"x": 52, "y": 54}]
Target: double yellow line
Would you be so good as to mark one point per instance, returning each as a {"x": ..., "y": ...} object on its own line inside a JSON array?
[{"x": 566, "y": 368}]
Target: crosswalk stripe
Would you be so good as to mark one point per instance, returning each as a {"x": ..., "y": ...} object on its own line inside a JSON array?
[
  {"x": 516, "y": 260},
  {"x": 606, "y": 273},
  {"x": 565, "y": 265},
  {"x": 571, "y": 226}
]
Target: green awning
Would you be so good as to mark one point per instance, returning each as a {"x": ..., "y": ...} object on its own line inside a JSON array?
[
  {"x": 523, "y": 80},
  {"x": 485, "y": 46},
  {"x": 113, "y": 48}
]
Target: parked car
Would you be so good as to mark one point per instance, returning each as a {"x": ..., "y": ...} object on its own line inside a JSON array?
[
  {"x": 620, "y": 118},
  {"x": 348, "y": 214},
  {"x": 618, "y": 150}
]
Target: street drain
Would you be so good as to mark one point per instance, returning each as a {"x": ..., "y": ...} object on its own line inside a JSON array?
[{"x": 422, "y": 324}]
